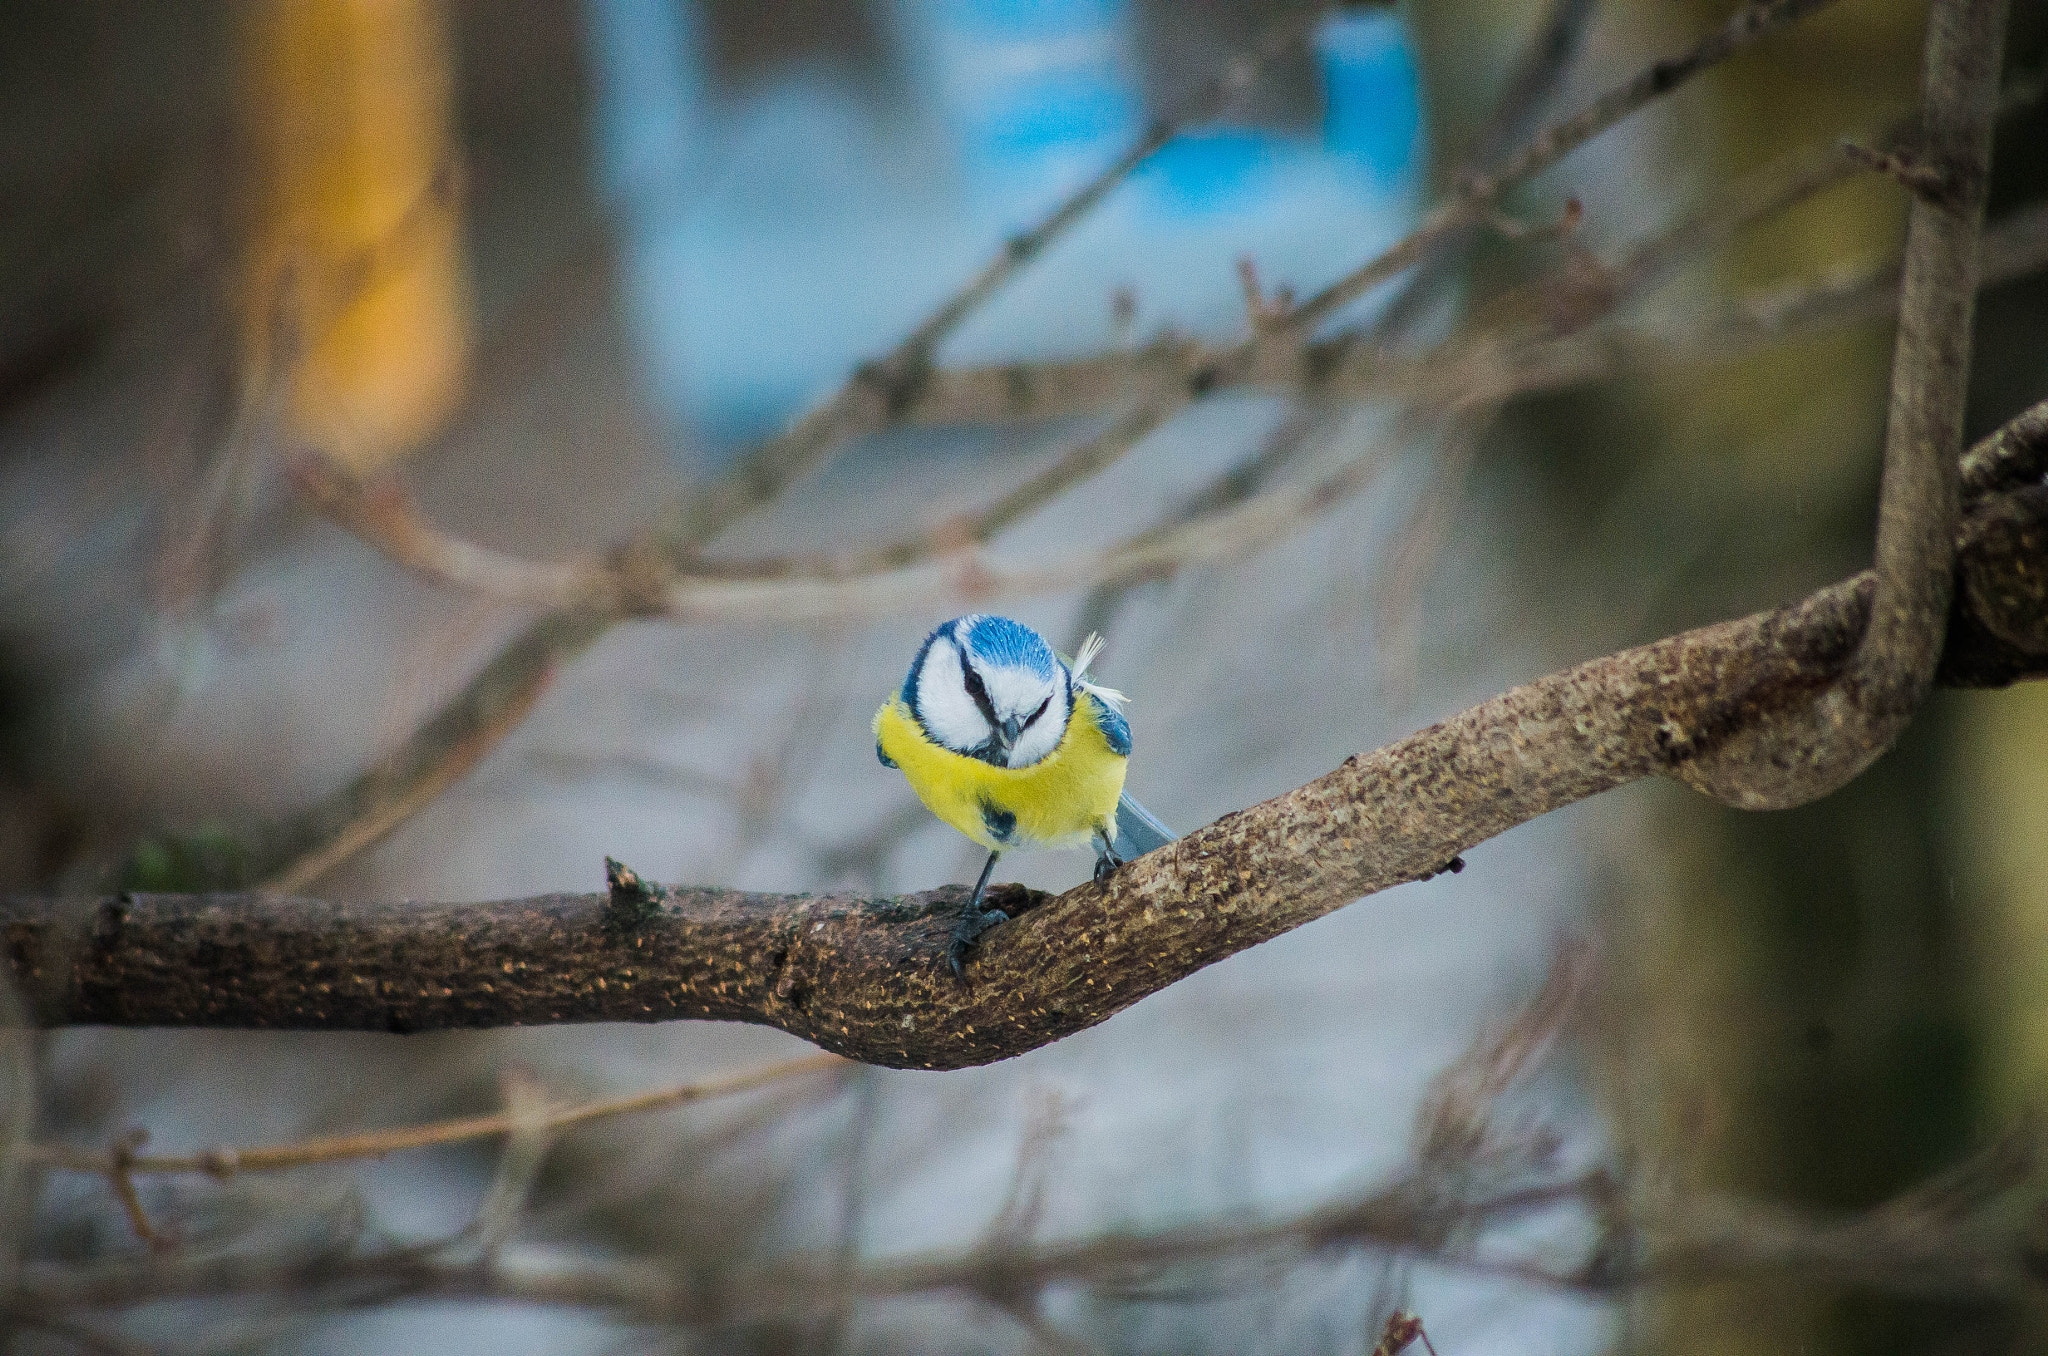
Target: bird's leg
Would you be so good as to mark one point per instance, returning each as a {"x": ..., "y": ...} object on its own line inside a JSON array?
[
  {"x": 973, "y": 920},
  {"x": 1106, "y": 860}
]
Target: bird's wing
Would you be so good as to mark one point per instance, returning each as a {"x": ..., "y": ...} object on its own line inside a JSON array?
[{"x": 1137, "y": 832}]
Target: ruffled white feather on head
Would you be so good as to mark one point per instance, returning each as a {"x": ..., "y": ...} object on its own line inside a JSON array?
[{"x": 1089, "y": 649}]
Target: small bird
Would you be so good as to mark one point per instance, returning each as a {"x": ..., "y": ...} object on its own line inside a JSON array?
[{"x": 1009, "y": 744}]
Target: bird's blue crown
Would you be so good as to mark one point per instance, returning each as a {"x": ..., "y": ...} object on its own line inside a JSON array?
[
  {"x": 1008, "y": 644},
  {"x": 997, "y": 640}
]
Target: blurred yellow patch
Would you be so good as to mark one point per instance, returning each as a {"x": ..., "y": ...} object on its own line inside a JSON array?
[{"x": 357, "y": 295}]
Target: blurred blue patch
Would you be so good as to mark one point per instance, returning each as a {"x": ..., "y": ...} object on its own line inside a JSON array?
[
  {"x": 650, "y": 97},
  {"x": 1211, "y": 168},
  {"x": 1372, "y": 95},
  {"x": 773, "y": 237}
]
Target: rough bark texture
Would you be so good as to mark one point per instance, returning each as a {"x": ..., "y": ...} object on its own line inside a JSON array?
[
  {"x": 1917, "y": 512},
  {"x": 867, "y": 977},
  {"x": 1812, "y": 747}
]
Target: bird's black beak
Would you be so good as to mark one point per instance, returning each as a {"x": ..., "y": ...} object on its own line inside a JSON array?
[{"x": 1000, "y": 741}]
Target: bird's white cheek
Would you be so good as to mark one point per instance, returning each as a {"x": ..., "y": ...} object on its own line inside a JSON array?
[
  {"x": 1040, "y": 740},
  {"x": 949, "y": 714}
]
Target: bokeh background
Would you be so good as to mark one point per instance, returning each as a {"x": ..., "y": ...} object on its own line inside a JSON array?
[{"x": 553, "y": 262}]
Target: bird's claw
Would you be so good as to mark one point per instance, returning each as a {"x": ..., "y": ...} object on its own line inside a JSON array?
[
  {"x": 1106, "y": 866},
  {"x": 970, "y": 928}
]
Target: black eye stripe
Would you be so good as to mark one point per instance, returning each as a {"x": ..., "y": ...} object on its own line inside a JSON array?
[
  {"x": 1039, "y": 712},
  {"x": 979, "y": 692}
]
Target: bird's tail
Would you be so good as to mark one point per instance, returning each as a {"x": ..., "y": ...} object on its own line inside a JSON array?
[{"x": 1137, "y": 832}]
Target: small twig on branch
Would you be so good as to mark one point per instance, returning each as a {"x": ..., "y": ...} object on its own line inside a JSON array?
[
  {"x": 551, "y": 1120},
  {"x": 1537, "y": 73},
  {"x": 1541, "y": 67},
  {"x": 121, "y": 1178},
  {"x": 1921, "y": 178}
]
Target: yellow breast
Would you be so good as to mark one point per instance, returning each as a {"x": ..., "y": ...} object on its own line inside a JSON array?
[{"x": 1059, "y": 801}]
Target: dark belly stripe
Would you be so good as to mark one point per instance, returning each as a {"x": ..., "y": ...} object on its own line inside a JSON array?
[{"x": 1001, "y": 824}]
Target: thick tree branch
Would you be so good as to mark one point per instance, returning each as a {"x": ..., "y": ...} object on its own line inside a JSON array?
[
  {"x": 1812, "y": 749},
  {"x": 1916, "y": 536},
  {"x": 866, "y": 978}
]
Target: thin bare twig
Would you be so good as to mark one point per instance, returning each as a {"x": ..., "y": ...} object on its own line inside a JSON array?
[
  {"x": 1297, "y": 430},
  {"x": 383, "y": 514},
  {"x": 1537, "y": 72},
  {"x": 551, "y": 1120},
  {"x": 1456, "y": 1122},
  {"x": 1479, "y": 192},
  {"x": 121, "y": 1177}
]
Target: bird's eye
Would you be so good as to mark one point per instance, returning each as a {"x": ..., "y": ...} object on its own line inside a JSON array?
[
  {"x": 979, "y": 691},
  {"x": 1039, "y": 712}
]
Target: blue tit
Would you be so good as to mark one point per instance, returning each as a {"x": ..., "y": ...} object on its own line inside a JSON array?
[{"x": 1009, "y": 744}]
